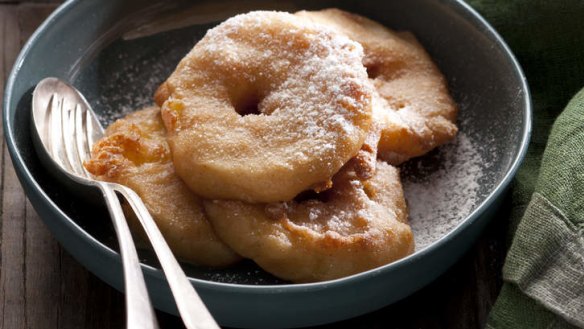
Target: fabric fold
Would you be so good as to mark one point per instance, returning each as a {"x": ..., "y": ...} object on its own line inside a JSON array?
[
  {"x": 546, "y": 260},
  {"x": 543, "y": 271},
  {"x": 544, "y": 268}
]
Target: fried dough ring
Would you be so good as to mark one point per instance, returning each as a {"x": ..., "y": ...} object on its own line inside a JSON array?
[
  {"x": 134, "y": 152},
  {"x": 414, "y": 106},
  {"x": 355, "y": 226},
  {"x": 304, "y": 90}
]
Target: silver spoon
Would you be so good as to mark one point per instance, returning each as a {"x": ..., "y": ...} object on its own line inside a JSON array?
[{"x": 64, "y": 129}]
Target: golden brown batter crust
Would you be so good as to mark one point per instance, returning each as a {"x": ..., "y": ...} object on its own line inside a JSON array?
[
  {"x": 134, "y": 152},
  {"x": 353, "y": 227},
  {"x": 266, "y": 106},
  {"x": 413, "y": 104}
]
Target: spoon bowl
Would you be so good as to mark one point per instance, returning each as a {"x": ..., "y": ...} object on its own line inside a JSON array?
[{"x": 64, "y": 128}]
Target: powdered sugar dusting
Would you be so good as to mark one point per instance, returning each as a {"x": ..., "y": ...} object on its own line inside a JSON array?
[
  {"x": 316, "y": 76},
  {"x": 125, "y": 75},
  {"x": 443, "y": 189},
  {"x": 130, "y": 101}
]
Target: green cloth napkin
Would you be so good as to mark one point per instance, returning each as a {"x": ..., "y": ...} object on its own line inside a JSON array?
[{"x": 544, "y": 269}]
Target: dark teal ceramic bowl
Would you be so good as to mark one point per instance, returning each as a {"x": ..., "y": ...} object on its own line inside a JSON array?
[{"x": 452, "y": 192}]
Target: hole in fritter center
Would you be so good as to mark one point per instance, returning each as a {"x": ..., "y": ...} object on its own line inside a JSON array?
[
  {"x": 248, "y": 105},
  {"x": 373, "y": 70}
]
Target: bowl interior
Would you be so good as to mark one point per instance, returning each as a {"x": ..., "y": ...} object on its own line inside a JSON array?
[{"x": 117, "y": 64}]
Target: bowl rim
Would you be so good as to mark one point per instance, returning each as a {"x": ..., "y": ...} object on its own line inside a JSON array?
[{"x": 461, "y": 7}]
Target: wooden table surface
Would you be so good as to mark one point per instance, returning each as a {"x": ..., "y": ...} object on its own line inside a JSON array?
[{"x": 41, "y": 286}]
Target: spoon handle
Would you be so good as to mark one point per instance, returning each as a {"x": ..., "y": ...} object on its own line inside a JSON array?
[
  {"x": 193, "y": 311},
  {"x": 139, "y": 311}
]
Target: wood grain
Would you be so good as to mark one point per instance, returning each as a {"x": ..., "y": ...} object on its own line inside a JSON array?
[
  {"x": 41, "y": 286},
  {"x": 13, "y": 226}
]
